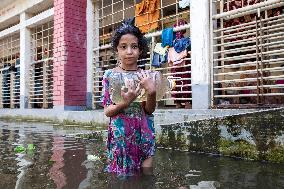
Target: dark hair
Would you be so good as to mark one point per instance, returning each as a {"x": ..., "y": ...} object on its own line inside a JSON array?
[{"x": 128, "y": 28}]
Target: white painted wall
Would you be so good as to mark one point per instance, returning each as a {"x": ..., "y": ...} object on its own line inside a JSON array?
[
  {"x": 43, "y": 17},
  {"x": 200, "y": 57},
  {"x": 90, "y": 46},
  {"x": 25, "y": 60},
  {"x": 16, "y": 7}
]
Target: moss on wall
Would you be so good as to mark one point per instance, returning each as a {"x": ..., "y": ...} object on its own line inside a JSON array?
[
  {"x": 239, "y": 148},
  {"x": 253, "y": 136},
  {"x": 276, "y": 155},
  {"x": 170, "y": 138}
]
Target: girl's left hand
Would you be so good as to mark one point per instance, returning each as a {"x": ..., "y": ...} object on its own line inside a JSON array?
[{"x": 147, "y": 82}]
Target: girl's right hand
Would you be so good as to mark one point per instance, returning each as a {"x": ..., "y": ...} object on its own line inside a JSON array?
[{"x": 131, "y": 92}]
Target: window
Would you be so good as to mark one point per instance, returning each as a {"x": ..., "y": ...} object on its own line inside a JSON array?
[
  {"x": 41, "y": 80},
  {"x": 161, "y": 14},
  {"x": 248, "y": 54},
  {"x": 10, "y": 71}
]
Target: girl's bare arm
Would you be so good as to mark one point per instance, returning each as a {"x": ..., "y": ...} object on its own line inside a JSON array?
[
  {"x": 114, "y": 109},
  {"x": 150, "y": 103}
]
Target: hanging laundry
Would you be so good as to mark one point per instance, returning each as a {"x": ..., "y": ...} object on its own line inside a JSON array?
[
  {"x": 182, "y": 44},
  {"x": 147, "y": 15},
  {"x": 179, "y": 34},
  {"x": 159, "y": 55},
  {"x": 175, "y": 58},
  {"x": 180, "y": 70},
  {"x": 182, "y": 85},
  {"x": 167, "y": 37},
  {"x": 161, "y": 50},
  {"x": 184, "y": 3},
  {"x": 17, "y": 61},
  {"x": 158, "y": 59}
]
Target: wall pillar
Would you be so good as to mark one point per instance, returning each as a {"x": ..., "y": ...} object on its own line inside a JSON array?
[
  {"x": 70, "y": 55},
  {"x": 200, "y": 53},
  {"x": 25, "y": 60},
  {"x": 90, "y": 57}
]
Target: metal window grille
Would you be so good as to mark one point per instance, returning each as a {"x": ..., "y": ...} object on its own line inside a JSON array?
[
  {"x": 41, "y": 80},
  {"x": 7, "y": 26},
  {"x": 110, "y": 14},
  {"x": 248, "y": 53},
  {"x": 10, "y": 72}
]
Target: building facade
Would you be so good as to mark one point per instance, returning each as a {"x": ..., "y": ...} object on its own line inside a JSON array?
[{"x": 53, "y": 53}]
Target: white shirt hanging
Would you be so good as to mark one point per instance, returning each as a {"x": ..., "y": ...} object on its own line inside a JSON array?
[{"x": 183, "y": 3}]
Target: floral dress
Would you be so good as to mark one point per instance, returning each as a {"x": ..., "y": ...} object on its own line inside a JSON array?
[{"x": 130, "y": 135}]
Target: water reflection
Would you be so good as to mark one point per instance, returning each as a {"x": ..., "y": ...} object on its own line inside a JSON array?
[
  {"x": 61, "y": 161},
  {"x": 55, "y": 171},
  {"x": 137, "y": 182}
]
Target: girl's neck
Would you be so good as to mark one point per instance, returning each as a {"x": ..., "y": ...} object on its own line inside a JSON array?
[{"x": 128, "y": 68}]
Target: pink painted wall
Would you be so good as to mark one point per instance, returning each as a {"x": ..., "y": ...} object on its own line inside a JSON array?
[{"x": 70, "y": 55}]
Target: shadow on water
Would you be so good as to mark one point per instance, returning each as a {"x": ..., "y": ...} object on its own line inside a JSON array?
[{"x": 34, "y": 156}]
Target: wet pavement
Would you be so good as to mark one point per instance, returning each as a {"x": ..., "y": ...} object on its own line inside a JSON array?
[{"x": 35, "y": 155}]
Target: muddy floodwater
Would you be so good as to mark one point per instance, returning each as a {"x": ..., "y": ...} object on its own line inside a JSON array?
[{"x": 35, "y": 156}]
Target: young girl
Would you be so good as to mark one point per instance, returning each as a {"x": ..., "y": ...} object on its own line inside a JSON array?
[{"x": 130, "y": 143}]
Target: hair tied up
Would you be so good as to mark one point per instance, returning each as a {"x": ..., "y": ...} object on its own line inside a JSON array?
[
  {"x": 129, "y": 21},
  {"x": 128, "y": 27}
]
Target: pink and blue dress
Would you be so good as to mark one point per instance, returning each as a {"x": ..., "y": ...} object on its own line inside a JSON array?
[{"x": 131, "y": 134}]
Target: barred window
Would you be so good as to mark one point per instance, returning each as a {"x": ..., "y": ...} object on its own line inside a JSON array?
[
  {"x": 151, "y": 17},
  {"x": 10, "y": 71},
  {"x": 248, "y": 53},
  {"x": 41, "y": 80}
]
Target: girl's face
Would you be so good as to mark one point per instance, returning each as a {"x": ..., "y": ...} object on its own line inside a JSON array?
[{"x": 128, "y": 50}]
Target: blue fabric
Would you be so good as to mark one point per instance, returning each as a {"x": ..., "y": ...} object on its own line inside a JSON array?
[
  {"x": 164, "y": 59},
  {"x": 182, "y": 44},
  {"x": 18, "y": 61},
  {"x": 167, "y": 37},
  {"x": 155, "y": 60},
  {"x": 158, "y": 59}
]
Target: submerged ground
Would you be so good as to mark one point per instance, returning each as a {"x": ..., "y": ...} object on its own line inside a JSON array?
[{"x": 34, "y": 155}]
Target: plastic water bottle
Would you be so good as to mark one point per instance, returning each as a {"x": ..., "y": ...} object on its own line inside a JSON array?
[
  {"x": 117, "y": 83},
  {"x": 163, "y": 85}
]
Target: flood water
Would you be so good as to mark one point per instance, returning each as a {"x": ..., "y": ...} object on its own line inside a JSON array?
[{"x": 55, "y": 157}]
